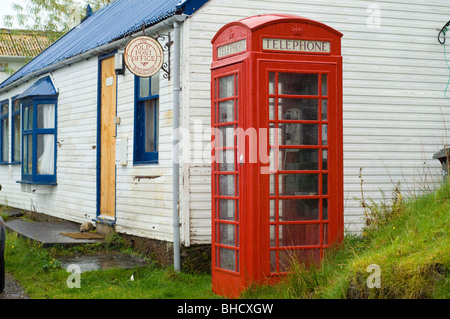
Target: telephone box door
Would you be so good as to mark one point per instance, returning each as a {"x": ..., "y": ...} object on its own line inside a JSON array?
[{"x": 303, "y": 177}]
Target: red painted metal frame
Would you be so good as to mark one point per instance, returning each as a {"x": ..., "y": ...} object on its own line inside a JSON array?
[{"x": 252, "y": 67}]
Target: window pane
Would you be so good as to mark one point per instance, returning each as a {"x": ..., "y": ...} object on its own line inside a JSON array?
[
  {"x": 298, "y": 159},
  {"x": 226, "y": 234},
  {"x": 324, "y": 110},
  {"x": 144, "y": 87},
  {"x": 296, "y": 134},
  {"x": 226, "y": 185},
  {"x": 271, "y": 108},
  {"x": 324, "y": 184},
  {"x": 226, "y": 86},
  {"x": 226, "y": 209},
  {"x": 273, "y": 235},
  {"x": 227, "y": 259},
  {"x": 27, "y": 164},
  {"x": 226, "y": 160},
  {"x": 16, "y": 151},
  {"x": 324, "y": 134},
  {"x": 272, "y": 184},
  {"x": 16, "y": 106},
  {"x": 325, "y": 209},
  {"x": 298, "y": 184},
  {"x": 273, "y": 261},
  {"x": 325, "y": 234},
  {"x": 46, "y": 154},
  {"x": 30, "y": 154},
  {"x": 272, "y": 210},
  {"x": 298, "y": 83},
  {"x": 299, "y": 235},
  {"x": 299, "y": 209},
  {"x": 271, "y": 82},
  {"x": 46, "y": 116},
  {"x": 226, "y": 136},
  {"x": 151, "y": 125},
  {"x": 5, "y": 140},
  {"x": 226, "y": 111},
  {"x": 298, "y": 109},
  {"x": 28, "y": 118},
  {"x": 324, "y": 159},
  {"x": 324, "y": 84},
  {"x": 155, "y": 84},
  {"x": 4, "y": 109}
]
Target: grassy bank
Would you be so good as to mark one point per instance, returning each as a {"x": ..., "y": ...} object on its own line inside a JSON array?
[{"x": 408, "y": 241}]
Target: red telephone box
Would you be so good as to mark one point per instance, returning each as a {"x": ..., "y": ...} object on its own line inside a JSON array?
[{"x": 277, "y": 172}]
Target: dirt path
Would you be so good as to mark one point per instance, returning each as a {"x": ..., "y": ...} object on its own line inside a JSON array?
[{"x": 12, "y": 289}]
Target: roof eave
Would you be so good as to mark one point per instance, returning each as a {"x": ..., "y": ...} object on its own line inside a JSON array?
[{"x": 95, "y": 51}]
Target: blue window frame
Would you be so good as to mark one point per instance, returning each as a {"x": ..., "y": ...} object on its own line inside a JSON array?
[
  {"x": 146, "y": 120},
  {"x": 15, "y": 129},
  {"x": 39, "y": 140},
  {"x": 4, "y": 132}
]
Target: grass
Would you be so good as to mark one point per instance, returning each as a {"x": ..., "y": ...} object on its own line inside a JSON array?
[
  {"x": 42, "y": 277},
  {"x": 407, "y": 239}
]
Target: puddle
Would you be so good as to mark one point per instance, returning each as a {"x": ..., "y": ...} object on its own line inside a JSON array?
[{"x": 102, "y": 261}]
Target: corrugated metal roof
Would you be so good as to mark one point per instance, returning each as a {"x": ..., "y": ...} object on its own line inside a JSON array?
[
  {"x": 22, "y": 42},
  {"x": 112, "y": 22},
  {"x": 42, "y": 87}
]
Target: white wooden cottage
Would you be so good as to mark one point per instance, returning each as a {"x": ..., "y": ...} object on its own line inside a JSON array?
[{"x": 395, "y": 111}]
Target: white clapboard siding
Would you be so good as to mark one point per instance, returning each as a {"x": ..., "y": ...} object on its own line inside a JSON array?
[
  {"x": 74, "y": 197},
  {"x": 394, "y": 80}
]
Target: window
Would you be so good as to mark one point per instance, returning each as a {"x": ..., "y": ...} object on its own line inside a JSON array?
[
  {"x": 39, "y": 140},
  {"x": 146, "y": 120},
  {"x": 4, "y": 132},
  {"x": 38, "y": 128},
  {"x": 15, "y": 129}
]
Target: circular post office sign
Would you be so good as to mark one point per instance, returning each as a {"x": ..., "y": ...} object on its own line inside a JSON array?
[{"x": 144, "y": 56}]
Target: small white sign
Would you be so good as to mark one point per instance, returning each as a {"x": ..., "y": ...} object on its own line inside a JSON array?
[
  {"x": 109, "y": 81},
  {"x": 121, "y": 151}
]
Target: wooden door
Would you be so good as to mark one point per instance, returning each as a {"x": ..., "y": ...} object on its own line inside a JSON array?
[{"x": 107, "y": 138}]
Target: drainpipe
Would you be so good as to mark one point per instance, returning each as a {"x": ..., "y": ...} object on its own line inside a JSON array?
[{"x": 176, "y": 140}]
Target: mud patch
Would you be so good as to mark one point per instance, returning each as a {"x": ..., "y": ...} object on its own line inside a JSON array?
[{"x": 102, "y": 261}]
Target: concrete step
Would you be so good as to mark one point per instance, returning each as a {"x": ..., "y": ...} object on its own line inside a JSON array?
[{"x": 48, "y": 233}]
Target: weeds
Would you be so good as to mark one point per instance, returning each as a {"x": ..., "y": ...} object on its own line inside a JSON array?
[{"x": 377, "y": 215}]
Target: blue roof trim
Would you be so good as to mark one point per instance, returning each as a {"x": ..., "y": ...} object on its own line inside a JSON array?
[
  {"x": 190, "y": 6},
  {"x": 42, "y": 87},
  {"x": 108, "y": 24}
]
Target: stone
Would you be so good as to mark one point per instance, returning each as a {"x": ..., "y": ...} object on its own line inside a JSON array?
[{"x": 86, "y": 227}]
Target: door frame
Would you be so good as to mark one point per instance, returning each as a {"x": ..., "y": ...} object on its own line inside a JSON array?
[
  {"x": 99, "y": 218},
  {"x": 223, "y": 280}
]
